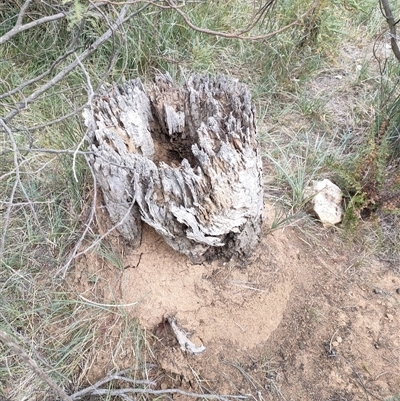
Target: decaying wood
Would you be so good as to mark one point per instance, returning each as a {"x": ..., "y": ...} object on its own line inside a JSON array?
[{"x": 187, "y": 157}]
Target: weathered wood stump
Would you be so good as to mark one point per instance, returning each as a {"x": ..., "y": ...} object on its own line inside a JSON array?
[{"x": 183, "y": 160}]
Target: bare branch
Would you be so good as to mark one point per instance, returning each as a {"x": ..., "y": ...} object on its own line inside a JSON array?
[
  {"x": 93, "y": 207},
  {"x": 75, "y": 253},
  {"x": 38, "y": 77},
  {"x": 57, "y": 120},
  {"x": 7, "y": 216},
  {"x": 96, "y": 390},
  {"x": 17, "y": 183},
  {"x": 148, "y": 2},
  {"x": 22, "y": 12},
  {"x": 117, "y": 376},
  {"x": 238, "y": 35},
  {"x": 33, "y": 96},
  {"x": 392, "y": 27},
  {"x": 13, "y": 346},
  {"x": 20, "y": 28},
  {"x": 47, "y": 150}
]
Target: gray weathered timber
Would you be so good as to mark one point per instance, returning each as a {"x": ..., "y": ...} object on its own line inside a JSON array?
[{"x": 183, "y": 160}]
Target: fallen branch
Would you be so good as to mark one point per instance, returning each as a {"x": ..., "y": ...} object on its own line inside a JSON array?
[
  {"x": 148, "y": 391},
  {"x": 117, "y": 376}
]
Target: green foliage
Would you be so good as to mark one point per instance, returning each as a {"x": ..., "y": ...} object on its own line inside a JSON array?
[{"x": 78, "y": 12}]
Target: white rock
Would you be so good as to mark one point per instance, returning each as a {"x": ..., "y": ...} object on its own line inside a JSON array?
[{"x": 326, "y": 198}]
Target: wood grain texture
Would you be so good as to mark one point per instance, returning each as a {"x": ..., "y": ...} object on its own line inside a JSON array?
[{"x": 187, "y": 157}]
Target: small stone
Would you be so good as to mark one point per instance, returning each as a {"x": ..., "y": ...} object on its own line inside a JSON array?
[
  {"x": 389, "y": 316},
  {"x": 335, "y": 343},
  {"x": 326, "y": 198},
  {"x": 377, "y": 291},
  {"x": 339, "y": 339},
  {"x": 398, "y": 290},
  {"x": 164, "y": 386}
]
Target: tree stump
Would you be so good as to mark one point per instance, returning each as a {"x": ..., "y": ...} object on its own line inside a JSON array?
[{"x": 183, "y": 160}]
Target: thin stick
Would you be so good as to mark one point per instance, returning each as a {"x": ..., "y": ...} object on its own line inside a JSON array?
[
  {"x": 20, "y": 28},
  {"x": 330, "y": 342},
  {"x": 239, "y": 35},
  {"x": 38, "y": 77},
  {"x": 17, "y": 183},
  {"x": 95, "y": 243},
  {"x": 7, "y": 340},
  {"x": 148, "y": 391},
  {"x": 34, "y": 95},
  {"x": 108, "y": 305},
  {"x": 117, "y": 376},
  {"x": 87, "y": 227},
  {"x": 57, "y": 120}
]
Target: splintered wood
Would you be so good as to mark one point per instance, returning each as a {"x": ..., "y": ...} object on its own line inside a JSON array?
[{"x": 184, "y": 160}]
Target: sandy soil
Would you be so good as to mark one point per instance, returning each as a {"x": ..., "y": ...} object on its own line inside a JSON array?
[{"x": 306, "y": 320}]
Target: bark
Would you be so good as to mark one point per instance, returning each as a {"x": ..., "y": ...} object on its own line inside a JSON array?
[{"x": 187, "y": 157}]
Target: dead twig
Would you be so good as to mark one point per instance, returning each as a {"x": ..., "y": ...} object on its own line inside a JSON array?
[
  {"x": 75, "y": 254},
  {"x": 239, "y": 35},
  {"x": 330, "y": 342},
  {"x": 117, "y": 376},
  {"x": 17, "y": 183},
  {"x": 17, "y": 349},
  {"x": 38, "y": 77},
  {"x": 18, "y": 27},
  {"x": 56, "y": 120},
  {"x": 92, "y": 48},
  {"x": 124, "y": 391},
  {"x": 387, "y": 13}
]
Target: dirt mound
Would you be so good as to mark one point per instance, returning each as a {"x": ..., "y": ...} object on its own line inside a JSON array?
[{"x": 218, "y": 302}]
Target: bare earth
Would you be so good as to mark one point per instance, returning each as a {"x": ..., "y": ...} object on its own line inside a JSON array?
[{"x": 299, "y": 323}]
